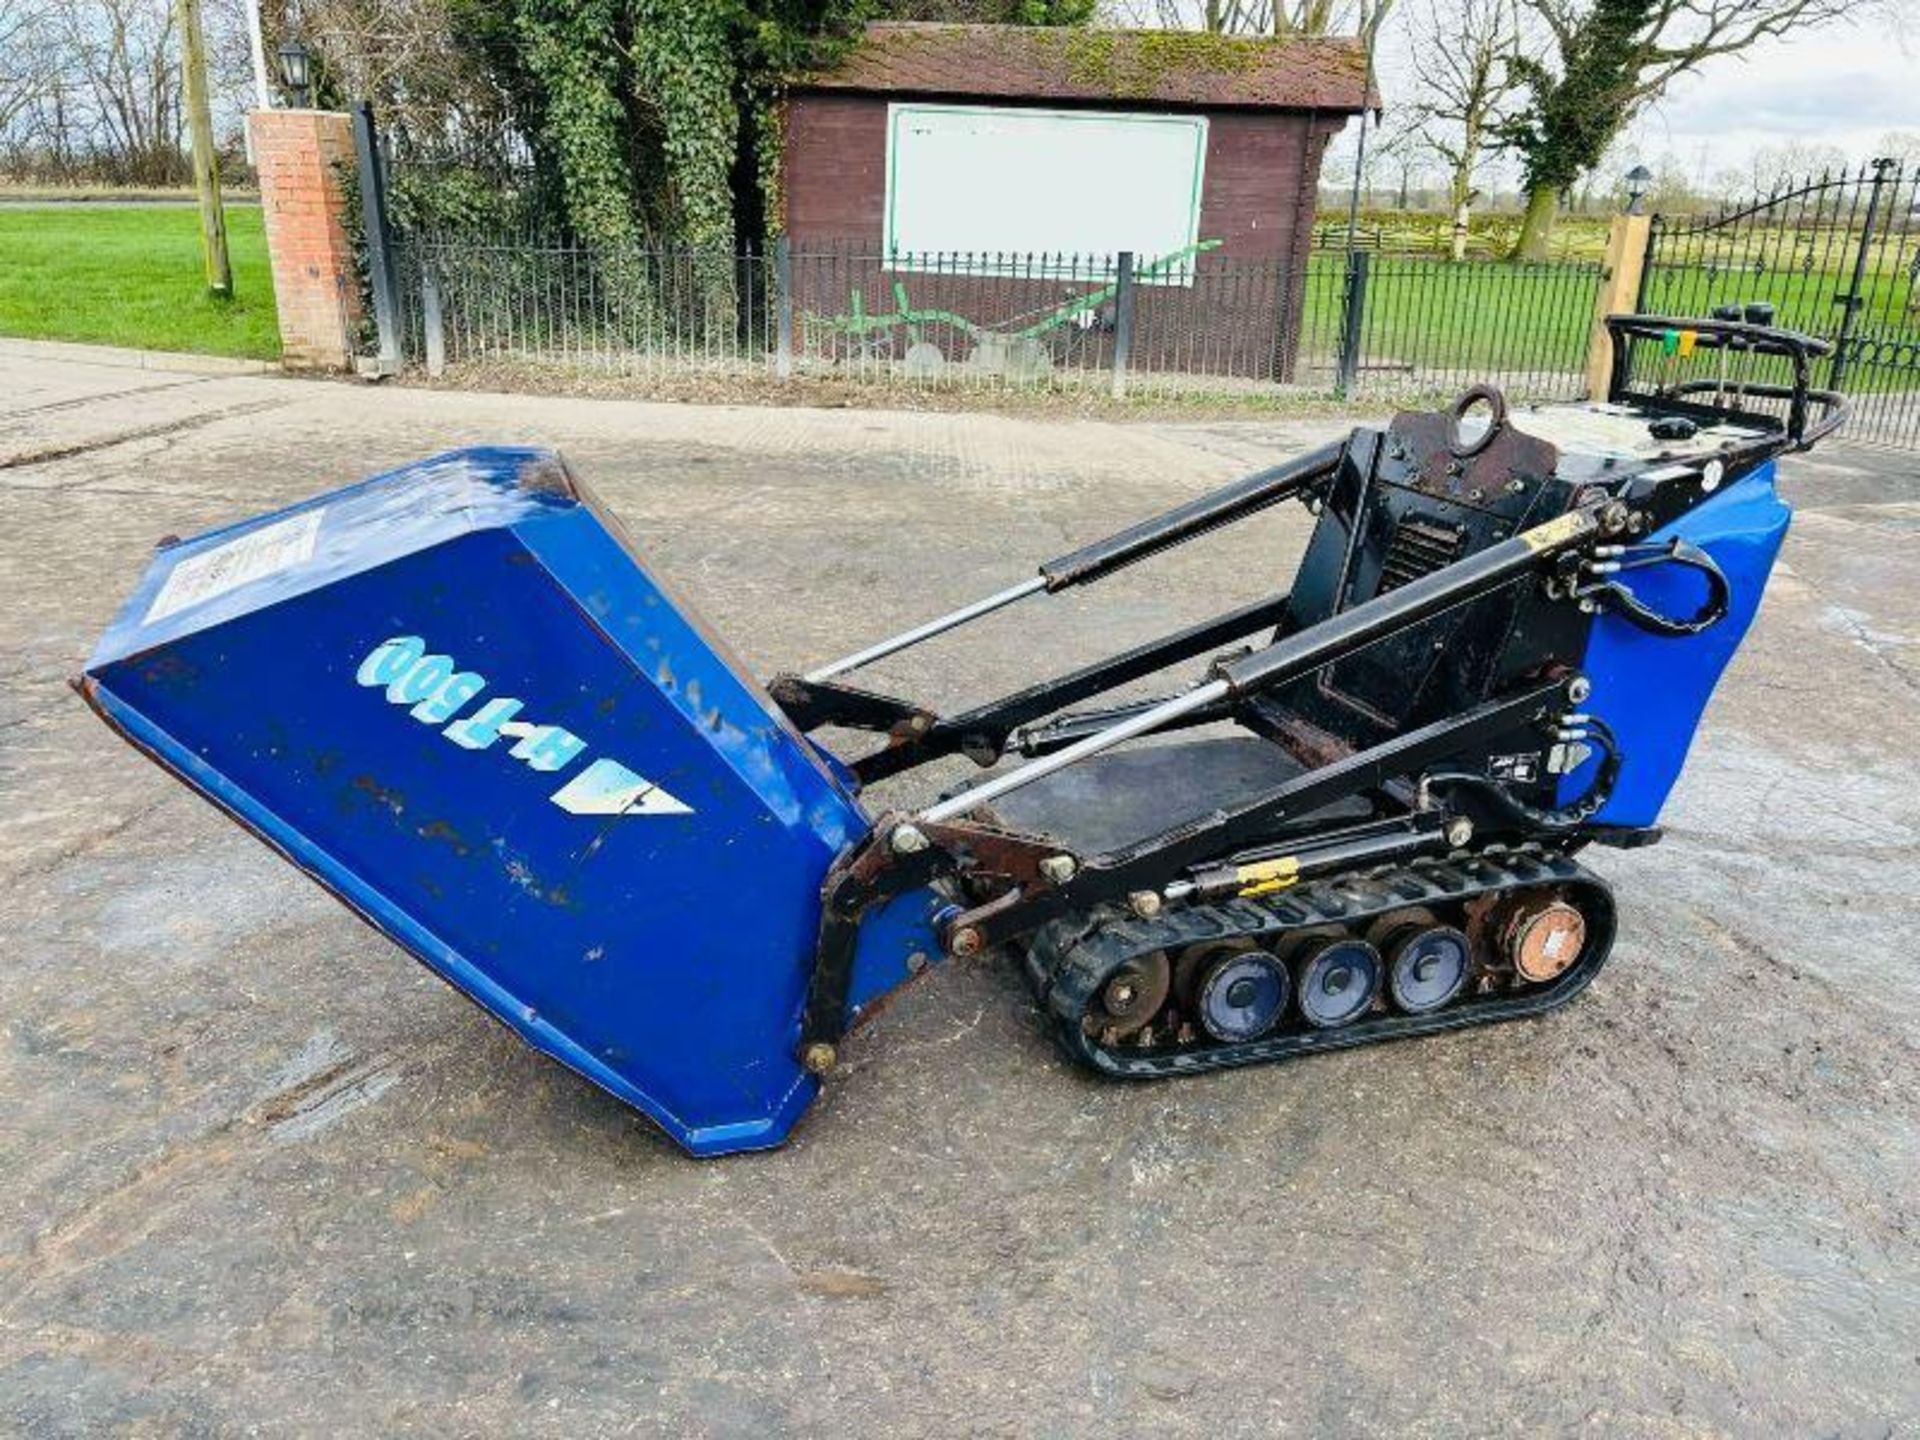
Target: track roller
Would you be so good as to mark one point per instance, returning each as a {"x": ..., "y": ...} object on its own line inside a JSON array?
[
  {"x": 1237, "y": 993},
  {"x": 1348, "y": 960},
  {"x": 1427, "y": 963},
  {"x": 1133, "y": 995},
  {"x": 1337, "y": 979}
]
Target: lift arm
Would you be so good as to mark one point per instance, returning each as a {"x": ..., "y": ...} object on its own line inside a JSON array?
[
  {"x": 1244, "y": 497},
  {"x": 1306, "y": 650},
  {"x": 818, "y": 698}
]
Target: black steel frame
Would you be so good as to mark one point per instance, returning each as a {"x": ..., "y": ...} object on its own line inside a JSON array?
[{"x": 1021, "y": 881}]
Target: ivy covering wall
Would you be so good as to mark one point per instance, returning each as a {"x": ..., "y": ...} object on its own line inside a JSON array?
[
  {"x": 647, "y": 132},
  {"x": 658, "y": 118}
]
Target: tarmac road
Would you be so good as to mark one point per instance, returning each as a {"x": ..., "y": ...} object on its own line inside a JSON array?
[{"x": 261, "y": 1172}]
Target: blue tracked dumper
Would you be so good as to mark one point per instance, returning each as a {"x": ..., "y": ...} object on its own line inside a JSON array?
[{"x": 457, "y": 696}]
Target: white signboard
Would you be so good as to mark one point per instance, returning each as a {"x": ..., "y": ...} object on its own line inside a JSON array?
[{"x": 988, "y": 180}]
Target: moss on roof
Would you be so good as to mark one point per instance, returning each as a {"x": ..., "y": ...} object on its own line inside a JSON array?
[{"x": 1170, "y": 67}]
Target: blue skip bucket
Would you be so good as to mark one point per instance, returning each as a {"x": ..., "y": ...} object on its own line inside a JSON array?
[{"x": 455, "y": 696}]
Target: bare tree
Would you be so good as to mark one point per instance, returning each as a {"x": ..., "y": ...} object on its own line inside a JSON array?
[
  {"x": 1902, "y": 147},
  {"x": 123, "y": 58},
  {"x": 90, "y": 89},
  {"x": 1464, "y": 85},
  {"x": 1328, "y": 17},
  {"x": 27, "y": 65},
  {"x": 410, "y": 58},
  {"x": 1606, "y": 60},
  {"x": 1402, "y": 153},
  {"x": 1777, "y": 167}
]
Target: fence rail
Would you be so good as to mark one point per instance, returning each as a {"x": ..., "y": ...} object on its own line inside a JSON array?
[{"x": 1198, "y": 324}]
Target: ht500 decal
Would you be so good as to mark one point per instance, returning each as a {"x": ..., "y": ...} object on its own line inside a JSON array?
[{"x": 435, "y": 691}]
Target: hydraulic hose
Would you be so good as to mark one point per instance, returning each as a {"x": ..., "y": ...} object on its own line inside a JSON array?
[
  {"x": 1612, "y": 560},
  {"x": 1566, "y": 817}
]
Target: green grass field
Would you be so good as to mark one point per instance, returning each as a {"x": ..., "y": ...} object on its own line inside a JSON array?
[
  {"x": 131, "y": 275},
  {"x": 1430, "y": 314}
]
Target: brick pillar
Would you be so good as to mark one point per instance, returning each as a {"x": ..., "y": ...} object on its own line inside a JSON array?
[{"x": 304, "y": 158}]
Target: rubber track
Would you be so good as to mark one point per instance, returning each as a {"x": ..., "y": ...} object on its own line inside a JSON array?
[{"x": 1069, "y": 960}]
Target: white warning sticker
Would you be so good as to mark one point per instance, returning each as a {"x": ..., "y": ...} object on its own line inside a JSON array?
[{"x": 240, "y": 561}]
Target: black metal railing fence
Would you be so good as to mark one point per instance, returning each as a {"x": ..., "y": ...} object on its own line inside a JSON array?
[
  {"x": 472, "y": 266},
  {"x": 1350, "y": 323}
]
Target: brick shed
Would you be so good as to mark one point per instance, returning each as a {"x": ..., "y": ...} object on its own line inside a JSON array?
[{"x": 983, "y": 174}]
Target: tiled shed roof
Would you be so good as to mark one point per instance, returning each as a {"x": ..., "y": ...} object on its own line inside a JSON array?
[{"x": 1167, "y": 67}]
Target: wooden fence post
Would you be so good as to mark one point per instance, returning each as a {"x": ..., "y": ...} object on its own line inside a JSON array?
[
  {"x": 206, "y": 169},
  {"x": 1619, "y": 293}
]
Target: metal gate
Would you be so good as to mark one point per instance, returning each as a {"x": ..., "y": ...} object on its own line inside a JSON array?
[{"x": 1838, "y": 257}]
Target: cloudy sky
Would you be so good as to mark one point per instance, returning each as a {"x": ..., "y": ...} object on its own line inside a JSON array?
[{"x": 1844, "y": 86}]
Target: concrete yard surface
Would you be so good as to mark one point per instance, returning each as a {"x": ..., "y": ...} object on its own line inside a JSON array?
[{"x": 265, "y": 1174}]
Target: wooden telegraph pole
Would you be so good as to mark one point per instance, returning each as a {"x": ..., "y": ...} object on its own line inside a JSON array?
[{"x": 206, "y": 168}]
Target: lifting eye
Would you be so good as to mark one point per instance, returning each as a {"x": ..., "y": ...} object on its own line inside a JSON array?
[{"x": 1474, "y": 401}]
